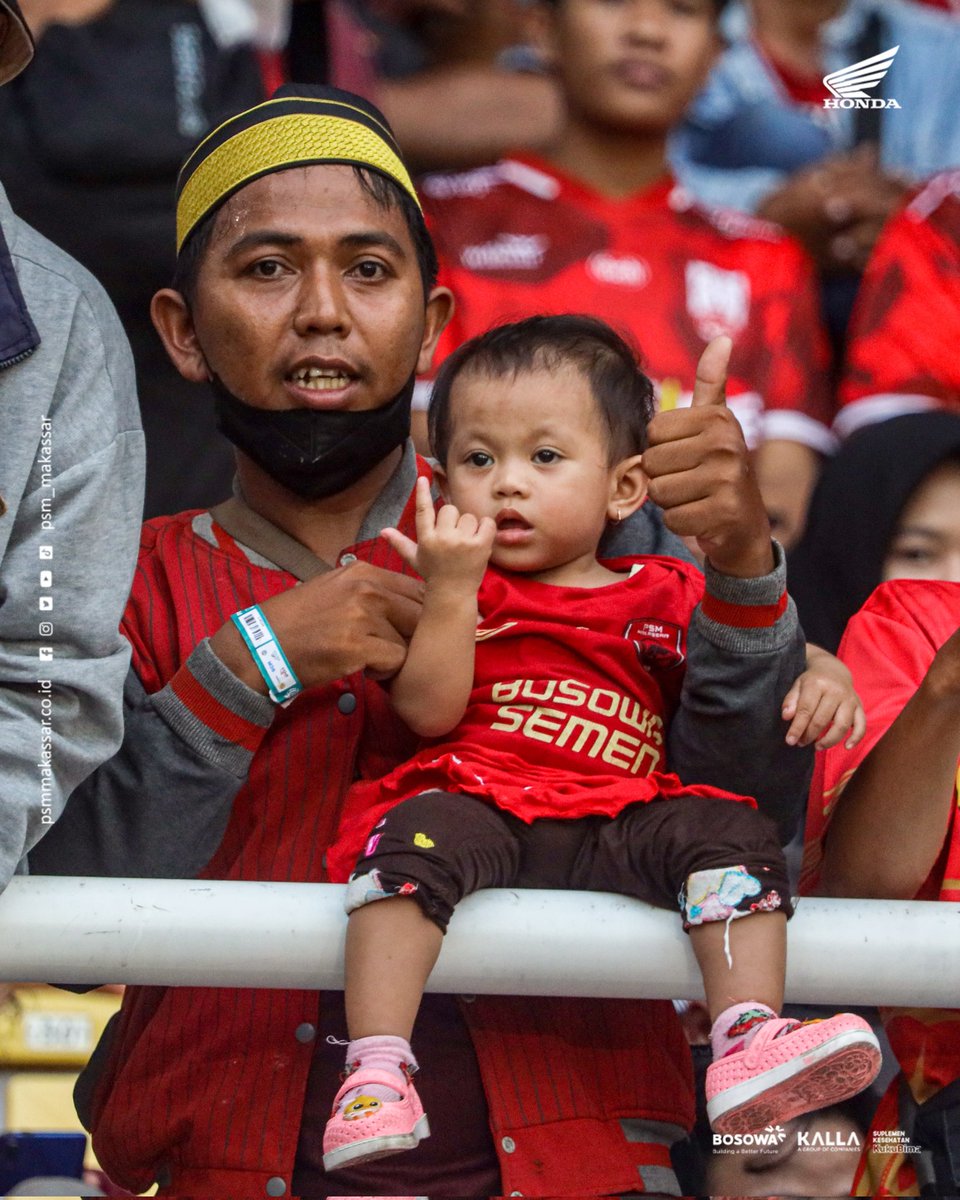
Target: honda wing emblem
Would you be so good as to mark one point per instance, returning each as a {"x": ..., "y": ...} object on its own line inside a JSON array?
[{"x": 851, "y": 82}]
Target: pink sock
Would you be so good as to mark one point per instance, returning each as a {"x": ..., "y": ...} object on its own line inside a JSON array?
[
  {"x": 385, "y": 1053},
  {"x": 733, "y": 1030}
]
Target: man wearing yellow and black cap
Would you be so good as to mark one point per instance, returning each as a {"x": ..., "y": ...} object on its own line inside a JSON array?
[
  {"x": 71, "y": 489},
  {"x": 330, "y": 423},
  {"x": 305, "y": 293}
]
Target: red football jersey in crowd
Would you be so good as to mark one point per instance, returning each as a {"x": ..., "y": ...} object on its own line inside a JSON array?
[
  {"x": 902, "y": 350},
  {"x": 520, "y": 238},
  {"x": 888, "y": 646}
]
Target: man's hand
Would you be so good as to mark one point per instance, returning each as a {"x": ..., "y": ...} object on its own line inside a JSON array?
[
  {"x": 837, "y": 207},
  {"x": 351, "y": 619},
  {"x": 452, "y": 548},
  {"x": 700, "y": 474}
]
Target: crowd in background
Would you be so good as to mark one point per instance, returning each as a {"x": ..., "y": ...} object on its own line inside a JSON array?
[
  {"x": 825, "y": 240},
  {"x": 94, "y": 133}
]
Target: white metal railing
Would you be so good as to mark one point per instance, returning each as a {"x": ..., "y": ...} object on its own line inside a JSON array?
[{"x": 232, "y": 934}]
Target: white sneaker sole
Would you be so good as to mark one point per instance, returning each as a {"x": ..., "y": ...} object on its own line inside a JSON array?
[
  {"x": 376, "y": 1147},
  {"x": 839, "y": 1068}
]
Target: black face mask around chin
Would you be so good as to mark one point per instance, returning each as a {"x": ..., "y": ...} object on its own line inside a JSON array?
[{"x": 314, "y": 453}]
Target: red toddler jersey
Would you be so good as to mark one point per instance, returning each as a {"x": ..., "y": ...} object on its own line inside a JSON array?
[
  {"x": 902, "y": 350},
  {"x": 573, "y": 689},
  {"x": 521, "y": 238}
]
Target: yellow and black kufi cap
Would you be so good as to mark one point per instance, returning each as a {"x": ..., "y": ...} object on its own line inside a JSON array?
[{"x": 301, "y": 125}]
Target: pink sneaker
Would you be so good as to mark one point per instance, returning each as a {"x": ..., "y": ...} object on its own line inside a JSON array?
[
  {"x": 808, "y": 1066},
  {"x": 369, "y": 1128}
]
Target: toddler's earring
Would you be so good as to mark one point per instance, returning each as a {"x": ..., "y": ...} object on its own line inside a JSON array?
[{"x": 619, "y": 518}]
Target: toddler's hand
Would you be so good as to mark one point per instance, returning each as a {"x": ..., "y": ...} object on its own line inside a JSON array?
[
  {"x": 822, "y": 704},
  {"x": 452, "y": 548}
]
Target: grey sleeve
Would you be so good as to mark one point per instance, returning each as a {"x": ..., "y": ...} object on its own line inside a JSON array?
[
  {"x": 159, "y": 807},
  {"x": 728, "y": 730},
  {"x": 71, "y": 473}
]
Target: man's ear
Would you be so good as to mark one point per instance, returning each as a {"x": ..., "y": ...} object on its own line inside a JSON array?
[
  {"x": 173, "y": 321},
  {"x": 440, "y": 305},
  {"x": 628, "y": 488}
]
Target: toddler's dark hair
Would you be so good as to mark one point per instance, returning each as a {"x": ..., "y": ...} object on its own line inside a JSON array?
[{"x": 624, "y": 395}]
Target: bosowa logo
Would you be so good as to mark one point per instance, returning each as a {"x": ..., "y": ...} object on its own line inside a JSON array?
[
  {"x": 851, "y": 84},
  {"x": 772, "y": 1135}
]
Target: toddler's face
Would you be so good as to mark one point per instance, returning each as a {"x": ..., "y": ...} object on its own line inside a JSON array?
[{"x": 531, "y": 452}]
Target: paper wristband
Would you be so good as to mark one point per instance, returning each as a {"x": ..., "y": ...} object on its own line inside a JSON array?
[{"x": 280, "y": 678}]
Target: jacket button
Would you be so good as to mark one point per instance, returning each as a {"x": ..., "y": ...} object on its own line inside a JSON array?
[
  {"x": 276, "y": 1186},
  {"x": 305, "y": 1033},
  {"x": 347, "y": 703},
  {"x": 509, "y": 1145},
  {"x": 347, "y": 559}
]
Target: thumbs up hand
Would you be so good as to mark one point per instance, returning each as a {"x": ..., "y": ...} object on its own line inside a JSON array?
[
  {"x": 700, "y": 474},
  {"x": 709, "y": 388}
]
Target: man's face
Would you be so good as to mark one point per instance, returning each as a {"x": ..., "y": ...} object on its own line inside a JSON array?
[
  {"x": 309, "y": 295},
  {"x": 630, "y": 65}
]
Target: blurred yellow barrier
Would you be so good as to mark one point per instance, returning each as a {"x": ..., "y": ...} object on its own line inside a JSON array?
[{"x": 41, "y": 1026}]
